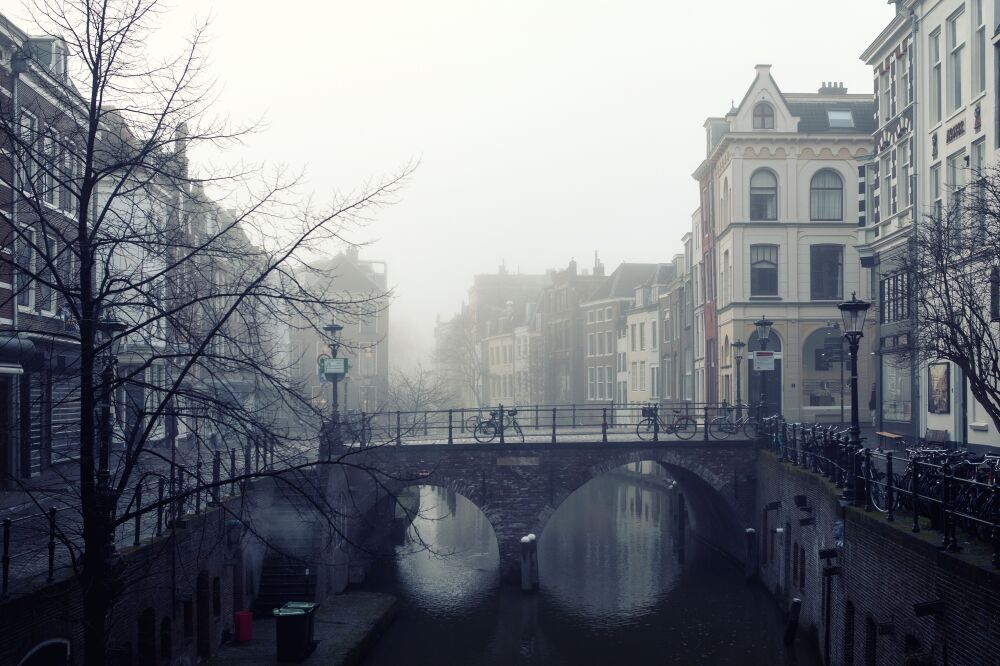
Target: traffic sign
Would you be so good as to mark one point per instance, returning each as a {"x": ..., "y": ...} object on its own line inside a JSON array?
[{"x": 333, "y": 366}]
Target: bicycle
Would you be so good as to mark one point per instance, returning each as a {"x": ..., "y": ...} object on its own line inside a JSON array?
[
  {"x": 721, "y": 427},
  {"x": 487, "y": 429},
  {"x": 357, "y": 428},
  {"x": 682, "y": 425}
]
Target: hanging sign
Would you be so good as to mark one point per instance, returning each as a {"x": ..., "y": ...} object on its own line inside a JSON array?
[
  {"x": 763, "y": 360},
  {"x": 333, "y": 366}
]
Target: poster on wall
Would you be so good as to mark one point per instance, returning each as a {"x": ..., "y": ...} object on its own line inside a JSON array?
[{"x": 939, "y": 388}]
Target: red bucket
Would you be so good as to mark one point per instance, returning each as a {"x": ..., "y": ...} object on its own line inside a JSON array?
[{"x": 243, "y": 620}]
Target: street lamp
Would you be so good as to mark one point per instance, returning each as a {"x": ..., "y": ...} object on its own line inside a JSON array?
[
  {"x": 333, "y": 330},
  {"x": 108, "y": 333},
  {"x": 853, "y": 313},
  {"x": 738, "y": 346},
  {"x": 763, "y": 332}
]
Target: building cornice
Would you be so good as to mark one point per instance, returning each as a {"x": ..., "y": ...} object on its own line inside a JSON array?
[{"x": 888, "y": 38}]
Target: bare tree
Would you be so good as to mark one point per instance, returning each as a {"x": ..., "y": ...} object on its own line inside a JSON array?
[
  {"x": 458, "y": 358},
  {"x": 123, "y": 255},
  {"x": 950, "y": 283},
  {"x": 418, "y": 390}
]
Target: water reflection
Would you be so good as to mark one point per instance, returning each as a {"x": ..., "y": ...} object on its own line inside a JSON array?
[{"x": 614, "y": 589}]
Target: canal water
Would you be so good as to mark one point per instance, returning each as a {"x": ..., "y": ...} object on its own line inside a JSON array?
[{"x": 616, "y": 588}]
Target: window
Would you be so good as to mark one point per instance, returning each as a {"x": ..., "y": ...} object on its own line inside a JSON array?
[
  {"x": 24, "y": 265},
  {"x": 666, "y": 328},
  {"x": 884, "y": 99},
  {"x": 590, "y": 383},
  {"x": 979, "y": 194},
  {"x": 934, "y": 47},
  {"x": 902, "y": 82},
  {"x": 28, "y": 134},
  {"x": 590, "y": 316},
  {"x": 978, "y": 48},
  {"x": 607, "y": 313},
  {"x": 609, "y": 378},
  {"x": 590, "y": 344},
  {"x": 609, "y": 342},
  {"x": 635, "y": 376},
  {"x": 894, "y": 302},
  {"x": 763, "y": 116},
  {"x": 955, "y": 34},
  {"x": 642, "y": 375},
  {"x": 633, "y": 337},
  {"x": 826, "y": 268},
  {"x": 46, "y": 295},
  {"x": 49, "y": 186},
  {"x": 840, "y": 119},
  {"x": 935, "y": 185},
  {"x": 654, "y": 380},
  {"x": 642, "y": 336},
  {"x": 826, "y": 196},
  {"x": 956, "y": 175},
  {"x": 885, "y": 189},
  {"x": 653, "y": 340},
  {"x": 763, "y": 195},
  {"x": 763, "y": 270},
  {"x": 903, "y": 184}
]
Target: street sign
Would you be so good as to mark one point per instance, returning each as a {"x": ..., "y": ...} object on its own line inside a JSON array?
[
  {"x": 332, "y": 366},
  {"x": 763, "y": 360}
]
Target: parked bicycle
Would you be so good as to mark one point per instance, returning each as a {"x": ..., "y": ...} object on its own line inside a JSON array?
[
  {"x": 487, "y": 429},
  {"x": 356, "y": 428},
  {"x": 651, "y": 424},
  {"x": 726, "y": 425}
]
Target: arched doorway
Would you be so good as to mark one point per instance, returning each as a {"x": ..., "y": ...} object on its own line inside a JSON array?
[
  {"x": 49, "y": 653},
  {"x": 772, "y": 378},
  {"x": 823, "y": 375}
]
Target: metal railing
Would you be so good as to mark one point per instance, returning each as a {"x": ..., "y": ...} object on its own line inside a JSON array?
[
  {"x": 534, "y": 423},
  {"x": 946, "y": 489}
]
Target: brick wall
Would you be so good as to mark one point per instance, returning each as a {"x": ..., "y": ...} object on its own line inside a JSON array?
[{"x": 884, "y": 571}]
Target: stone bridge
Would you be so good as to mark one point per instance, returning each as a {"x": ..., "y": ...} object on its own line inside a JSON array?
[{"x": 519, "y": 486}]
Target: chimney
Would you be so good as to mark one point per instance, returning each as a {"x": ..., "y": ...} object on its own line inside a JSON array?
[
  {"x": 598, "y": 266},
  {"x": 833, "y": 88},
  {"x": 352, "y": 253}
]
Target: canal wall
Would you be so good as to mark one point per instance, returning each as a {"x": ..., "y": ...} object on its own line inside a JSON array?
[{"x": 885, "y": 595}]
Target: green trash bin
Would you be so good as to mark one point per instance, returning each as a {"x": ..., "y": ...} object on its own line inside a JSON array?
[
  {"x": 309, "y": 608},
  {"x": 292, "y": 633}
]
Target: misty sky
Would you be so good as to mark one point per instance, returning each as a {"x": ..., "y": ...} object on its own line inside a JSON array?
[{"x": 545, "y": 129}]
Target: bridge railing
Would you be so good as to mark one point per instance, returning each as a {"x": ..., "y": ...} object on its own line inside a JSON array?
[
  {"x": 952, "y": 491},
  {"x": 534, "y": 422}
]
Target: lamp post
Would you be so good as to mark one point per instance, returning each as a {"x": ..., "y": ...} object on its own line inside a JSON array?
[
  {"x": 109, "y": 332},
  {"x": 853, "y": 313},
  {"x": 334, "y": 330},
  {"x": 738, "y": 346},
  {"x": 763, "y": 332}
]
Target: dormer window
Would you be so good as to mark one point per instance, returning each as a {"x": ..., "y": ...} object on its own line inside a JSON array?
[
  {"x": 763, "y": 116},
  {"x": 842, "y": 119}
]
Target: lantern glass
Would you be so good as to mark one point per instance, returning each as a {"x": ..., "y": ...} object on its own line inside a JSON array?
[
  {"x": 763, "y": 328},
  {"x": 853, "y": 312}
]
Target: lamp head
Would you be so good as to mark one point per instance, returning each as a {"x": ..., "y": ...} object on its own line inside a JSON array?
[
  {"x": 763, "y": 328},
  {"x": 853, "y": 312}
]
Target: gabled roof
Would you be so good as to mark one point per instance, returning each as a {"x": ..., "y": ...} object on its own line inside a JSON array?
[{"x": 623, "y": 281}]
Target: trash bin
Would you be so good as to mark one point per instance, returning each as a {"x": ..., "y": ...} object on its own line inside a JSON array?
[
  {"x": 243, "y": 622},
  {"x": 309, "y": 608},
  {"x": 292, "y": 633}
]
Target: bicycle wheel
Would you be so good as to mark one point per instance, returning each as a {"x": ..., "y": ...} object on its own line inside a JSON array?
[
  {"x": 721, "y": 427},
  {"x": 485, "y": 431},
  {"x": 517, "y": 429},
  {"x": 750, "y": 429},
  {"x": 645, "y": 429},
  {"x": 876, "y": 490},
  {"x": 684, "y": 427},
  {"x": 472, "y": 422}
]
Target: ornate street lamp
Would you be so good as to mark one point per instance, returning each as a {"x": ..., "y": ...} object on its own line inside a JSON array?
[
  {"x": 853, "y": 313},
  {"x": 738, "y": 346},
  {"x": 108, "y": 334},
  {"x": 333, "y": 330},
  {"x": 763, "y": 333}
]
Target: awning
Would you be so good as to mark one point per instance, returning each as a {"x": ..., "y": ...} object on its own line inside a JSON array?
[
  {"x": 14, "y": 350},
  {"x": 11, "y": 369}
]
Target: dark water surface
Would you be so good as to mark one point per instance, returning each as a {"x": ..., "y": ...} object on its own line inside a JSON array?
[{"x": 613, "y": 589}]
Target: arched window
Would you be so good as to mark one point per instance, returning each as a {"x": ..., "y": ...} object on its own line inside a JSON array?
[
  {"x": 763, "y": 195},
  {"x": 763, "y": 116},
  {"x": 826, "y": 196}
]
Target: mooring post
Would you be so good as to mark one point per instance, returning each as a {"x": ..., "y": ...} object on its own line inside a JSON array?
[
  {"x": 451, "y": 439},
  {"x": 526, "y": 564},
  {"x": 750, "y": 570},
  {"x": 604, "y": 425},
  {"x": 553, "y": 425},
  {"x": 793, "y": 621}
]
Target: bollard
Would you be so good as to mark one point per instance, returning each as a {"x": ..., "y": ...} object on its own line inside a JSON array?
[
  {"x": 604, "y": 425},
  {"x": 399, "y": 431},
  {"x": 793, "y": 621},
  {"x": 500, "y": 424},
  {"x": 138, "y": 514},
  {"x": 750, "y": 567},
  {"x": 526, "y": 564},
  {"x": 451, "y": 438},
  {"x": 533, "y": 561},
  {"x": 5, "y": 558},
  {"x": 574, "y": 416},
  {"x": 656, "y": 423},
  {"x": 705, "y": 432},
  {"x": 890, "y": 488},
  {"x": 52, "y": 544},
  {"x": 553, "y": 425}
]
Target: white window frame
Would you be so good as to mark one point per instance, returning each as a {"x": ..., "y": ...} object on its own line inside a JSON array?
[
  {"x": 955, "y": 45},
  {"x": 936, "y": 82},
  {"x": 51, "y": 248},
  {"x": 32, "y": 261},
  {"x": 978, "y": 33},
  {"x": 903, "y": 169}
]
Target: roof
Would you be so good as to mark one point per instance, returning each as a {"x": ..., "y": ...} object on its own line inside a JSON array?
[
  {"x": 623, "y": 281},
  {"x": 813, "y": 118}
]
